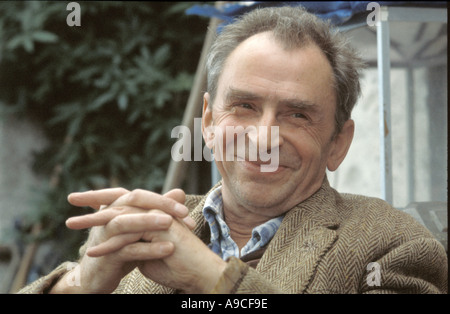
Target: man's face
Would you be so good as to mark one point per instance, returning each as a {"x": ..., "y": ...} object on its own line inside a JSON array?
[{"x": 264, "y": 85}]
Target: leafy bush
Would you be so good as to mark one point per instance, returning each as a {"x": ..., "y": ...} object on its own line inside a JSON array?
[{"x": 106, "y": 93}]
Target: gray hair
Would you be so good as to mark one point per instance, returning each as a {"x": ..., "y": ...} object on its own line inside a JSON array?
[{"x": 293, "y": 27}]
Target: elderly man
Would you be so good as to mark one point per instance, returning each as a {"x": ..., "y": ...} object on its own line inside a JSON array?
[{"x": 279, "y": 231}]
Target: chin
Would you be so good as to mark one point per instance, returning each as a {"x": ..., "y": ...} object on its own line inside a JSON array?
[{"x": 260, "y": 194}]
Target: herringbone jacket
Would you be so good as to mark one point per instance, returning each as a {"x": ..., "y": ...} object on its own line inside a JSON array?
[{"x": 330, "y": 243}]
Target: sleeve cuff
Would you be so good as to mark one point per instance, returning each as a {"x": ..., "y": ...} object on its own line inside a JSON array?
[
  {"x": 232, "y": 276},
  {"x": 46, "y": 283}
]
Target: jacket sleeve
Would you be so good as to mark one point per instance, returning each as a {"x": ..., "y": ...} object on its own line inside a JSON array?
[
  {"x": 418, "y": 266},
  {"x": 238, "y": 277},
  {"x": 44, "y": 284}
]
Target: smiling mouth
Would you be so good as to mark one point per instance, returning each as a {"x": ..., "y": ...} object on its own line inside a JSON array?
[{"x": 261, "y": 167}]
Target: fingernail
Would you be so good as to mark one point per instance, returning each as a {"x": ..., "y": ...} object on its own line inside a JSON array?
[{"x": 181, "y": 210}]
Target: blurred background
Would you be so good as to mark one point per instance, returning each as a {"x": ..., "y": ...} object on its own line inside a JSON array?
[
  {"x": 84, "y": 108},
  {"x": 93, "y": 106}
]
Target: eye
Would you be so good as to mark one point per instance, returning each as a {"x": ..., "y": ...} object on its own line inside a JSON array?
[
  {"x": 245, "y": 105},
  {"x": 242, "y": 106},
  {"x": 299, "y": 115}
]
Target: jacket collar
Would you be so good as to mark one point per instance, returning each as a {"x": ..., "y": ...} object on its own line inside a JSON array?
[
  {"x": 307, "y": 232},
  {"x": 320, "y": 208}
]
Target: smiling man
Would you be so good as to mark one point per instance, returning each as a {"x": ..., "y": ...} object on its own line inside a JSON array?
[
  {"x": 279, "y": 231},
  {"x": 263, "y": 84}
]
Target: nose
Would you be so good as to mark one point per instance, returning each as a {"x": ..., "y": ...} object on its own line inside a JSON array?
[{"x": 269, "y": 136}]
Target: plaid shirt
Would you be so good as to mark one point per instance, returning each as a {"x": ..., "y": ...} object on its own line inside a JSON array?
[{"x": 221, "y": 242}]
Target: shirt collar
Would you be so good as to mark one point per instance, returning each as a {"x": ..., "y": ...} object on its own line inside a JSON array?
[
  {"x": 221, "y": 242},
  {"x": 214, "y": 203}
]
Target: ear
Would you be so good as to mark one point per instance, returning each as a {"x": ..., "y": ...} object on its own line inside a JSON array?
[
  {"x": 207, "y": 122},
  {"x": 340, "y": 145}
]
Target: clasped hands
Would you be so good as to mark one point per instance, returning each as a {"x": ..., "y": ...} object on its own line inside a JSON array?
[{"x": 141, "y": 229}]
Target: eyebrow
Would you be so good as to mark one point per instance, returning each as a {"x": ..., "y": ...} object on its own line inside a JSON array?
[{"x": 234, "y": 94}]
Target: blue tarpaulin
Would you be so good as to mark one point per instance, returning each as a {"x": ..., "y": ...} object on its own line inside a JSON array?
[{"x": 338, "y": 12}]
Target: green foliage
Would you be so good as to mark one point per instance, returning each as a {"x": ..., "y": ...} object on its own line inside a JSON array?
[{"x": 107, "y": 93}]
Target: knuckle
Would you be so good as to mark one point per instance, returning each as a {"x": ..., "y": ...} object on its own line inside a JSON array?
[
  {"x": 121, "y": 190},
  {"x": 117, "y": 223},
  {"x": 137, "y": 251},
  {"x": 149, "y": 200},
  {"x": 134, "y": 195},
  {"x": 140, "y": 196},
  {"x": 136, "y": 192},
  {"x": 147, "y": 236}
]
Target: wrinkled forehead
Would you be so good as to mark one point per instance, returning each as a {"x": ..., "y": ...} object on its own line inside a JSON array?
[{"x": 261, "y": 62}]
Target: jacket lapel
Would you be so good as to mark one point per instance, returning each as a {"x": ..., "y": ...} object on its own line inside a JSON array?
[{"x": 307, "y": 232}]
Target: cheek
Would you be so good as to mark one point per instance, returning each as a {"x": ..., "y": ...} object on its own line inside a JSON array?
[
  {"x": 215, "y": 132},
  {"x": 226, "y": 128},
  {"x": 308, "y": 146},
  {"x": 221, "y": 139}
]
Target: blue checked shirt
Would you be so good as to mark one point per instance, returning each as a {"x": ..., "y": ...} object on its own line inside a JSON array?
[{"x": 221, "y": 242}]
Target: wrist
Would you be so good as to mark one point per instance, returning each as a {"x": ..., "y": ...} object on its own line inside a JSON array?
[
  {"x": 208, "y": 277},
  {"x": 68, "y": 282}
]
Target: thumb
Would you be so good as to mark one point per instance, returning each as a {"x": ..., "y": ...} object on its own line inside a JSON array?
[{"x": 179, "y": 196}]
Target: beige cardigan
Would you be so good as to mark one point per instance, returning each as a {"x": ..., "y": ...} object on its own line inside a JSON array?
[{"x": 324, "y": 245}]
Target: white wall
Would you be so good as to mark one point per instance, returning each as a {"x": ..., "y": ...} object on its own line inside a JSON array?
[
  {"x": 360, "y": 171},
  {"x": 19, "y": 187}
]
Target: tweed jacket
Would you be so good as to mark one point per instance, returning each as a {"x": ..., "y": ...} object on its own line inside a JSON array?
[{"x": 330, "y": 243}]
